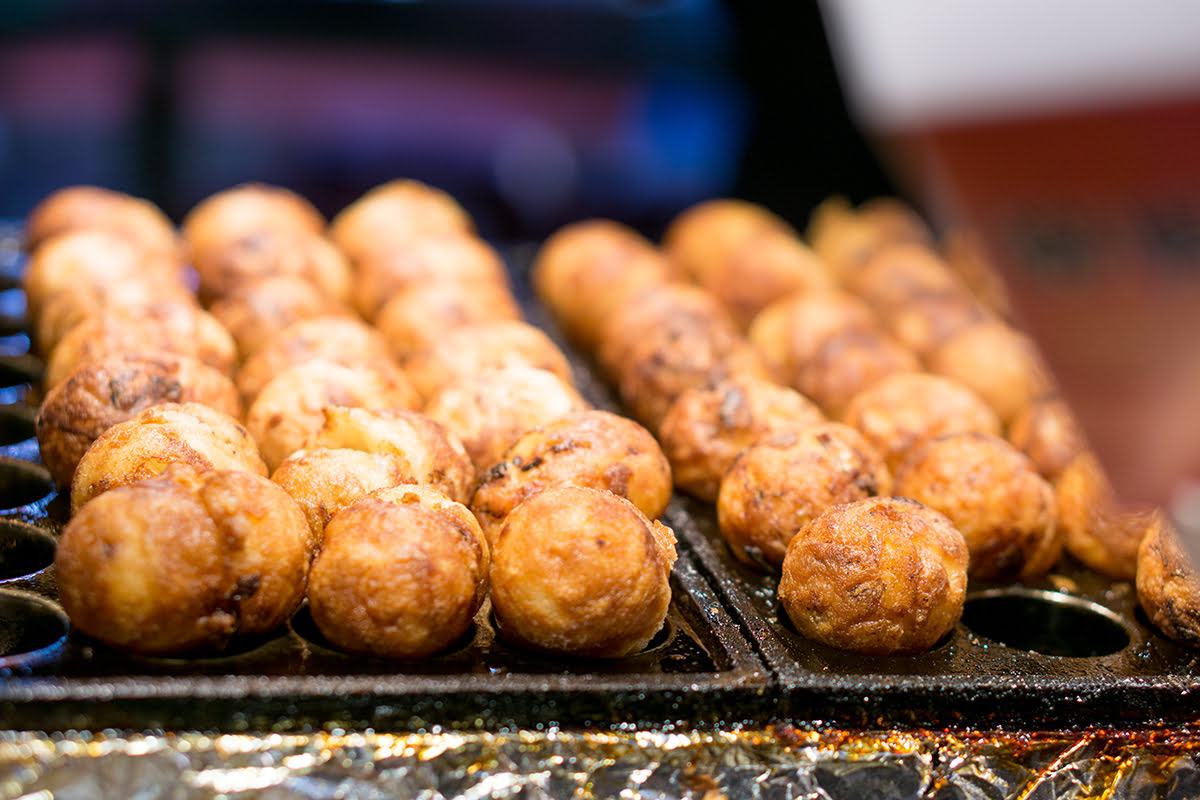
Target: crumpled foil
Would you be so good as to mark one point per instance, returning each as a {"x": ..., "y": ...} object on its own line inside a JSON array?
[{"x": 778, "y": 763}]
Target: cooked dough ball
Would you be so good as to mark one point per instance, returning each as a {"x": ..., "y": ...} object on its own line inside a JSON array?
[
  {"x": 466, "y": 350},
  {"x": 1168, "y": 586},
  {"x": 416, "y": 318},
  {"x": 75, "y": 208},
  {"x": 899, "y": 271},
  {"x": 95, "y": 262},
  {"x": 256, "y": 311},
  {"x": 789, "y": 331},
  {"x": 271, "y": 252},
  {"x": 903, "y": 410},
  {"x": 582, "y": 572},
  {"x": 702, "y": 237},
  {"x": 1047, "y": 432},
  {"x": 174, "y": 327},
  {"x": 393, "y": 213},
  {"x": 772, "y": 263},
  {"x": 1100, "y": 532},
  {"x": 999, "y": 362},
  {"x": 456, "y": 257},
  {"x": 845, "y": 237},
  {"x": 183, "y": 561},
  {"x": 147, "y": 443},
  {"x": 342, "y": 340},
  {"x": 587, "y": 448},
  {"x": 926, "y": 320},
  {"x": 585, "y": 269},
  {"x": 785, "y": 480},
  {"x": 435, "y": 456},
  {"x": 488, "y": 411},
  {"x": 993, "y": 494},
  {"x": 292, "y": 405},
  {"x": 964, "y": 252},
  {"x": 232, "y": 214},
  {"x": 849, "y": 362},
  {"x": 104, "y": 393},
  {"x": 879, "y": 576},
  {"x": 668, "y": 339},
  {"x": 399, "y": 575},
  {"x": 706, "y": 428},
  {"x": 68, "y": 307}
]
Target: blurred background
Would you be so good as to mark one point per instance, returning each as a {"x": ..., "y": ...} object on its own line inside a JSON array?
[{"x": 531, "y": 112}]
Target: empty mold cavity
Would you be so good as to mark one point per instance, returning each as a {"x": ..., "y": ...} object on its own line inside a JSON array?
[
  {"x": 32, "y": 629},
  {"x": 18, "y": 423},
  {"x": 22, "y": 483},
  {"x": 1050, "y": 623},
  {"x": 24, "y": 550}
]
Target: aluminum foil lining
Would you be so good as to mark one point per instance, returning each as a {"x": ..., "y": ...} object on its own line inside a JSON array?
[{"x": 779, "y": 763}]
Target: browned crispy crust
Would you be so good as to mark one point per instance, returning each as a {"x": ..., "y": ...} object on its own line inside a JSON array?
[
  {"x": 788, "y": 332},
  {"x": 398, "y": 576},
  {"x": 902, "y": 410},
  {"x": 879, "y": 576},
  {"x": 702, "y": 237},
  {"x": 259, "y": 254},
  {"x": 104, "y": 393},
  {"x": 147, "y": 443},
  {"x": 255, "y": 311},
  {"x": 1168, "y": 586},
  {"x": 849, "y": 362},
  {"x": 587, "y": 448},
  {"x": 1100, "y": 532},
  {"x": 82, "y": 207},
  {"x": 1046, "y": 431},
  {"x": 786, "y": 479},
  {"x": 706, "y": 428},
  {"x": 583, "y": 572},
  {"x": 994, "y": 495},
  {"x": 415, "y": 318},
  {"x": 182, "y": 561}
]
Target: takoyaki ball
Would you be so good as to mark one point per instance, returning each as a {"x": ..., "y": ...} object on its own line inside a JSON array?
[
  {"x": 399, "y": 575},
  {"x": 659, "y": 310},
  {"x": 173, "y": 327},
  {"x": 95, "y": 262},
  {"x": 770, "y": 264},
  {"x": 292, "y": 405},
  {"x": 469, "y": 349},
  {"x": 788, "y": 332},
  {"x": 926, "y": 320},
  {"x": 964, "y": 252},
  {"x": 435, "y": 456},
  {"x": 1168, "y": 586},
  {"x": 183, "y": 561},
  {"x": 994, "y": 495},
  {"x": 586, "y": 448},
  {"x": 340, "y": 339},
  {"x": 266, "y": 253},
  {"x": 896, "y": 272},
  {"x": 76, "y": 208},
  {"x": 394, "y": 213},
  {"x": 581, "y": 572},
  {"x": 848, "y": 363},
  {"x": 256, "y": 311},
  {"x": 104, "y": 393},
  {"x": 786, "y": 479},
  {"x": 900, "y": 411},
  {"x": 490, "y": 410},
  {"x": 707, "y": 427},
  {"x": 1100, "y": 532},
  {"x": 67, "y": 308},
  {"x": 584, "y": 270},
  {"x": 702, "y": 237},
  {"x": 232, "y": 214},
  {"x": 1000, "y": 363},
  {"x": 417, "y": 317},
  {"x": 1046, "y": 430},
  {"x": 846, "y": 237},
  {"x": 878, "y": 576},
  {"x": 158, "y": 436},
  {"x": 450, "y": 256}
]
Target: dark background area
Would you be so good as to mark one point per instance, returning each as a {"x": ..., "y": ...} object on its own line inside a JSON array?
[{"x": 531, "y": 112}]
